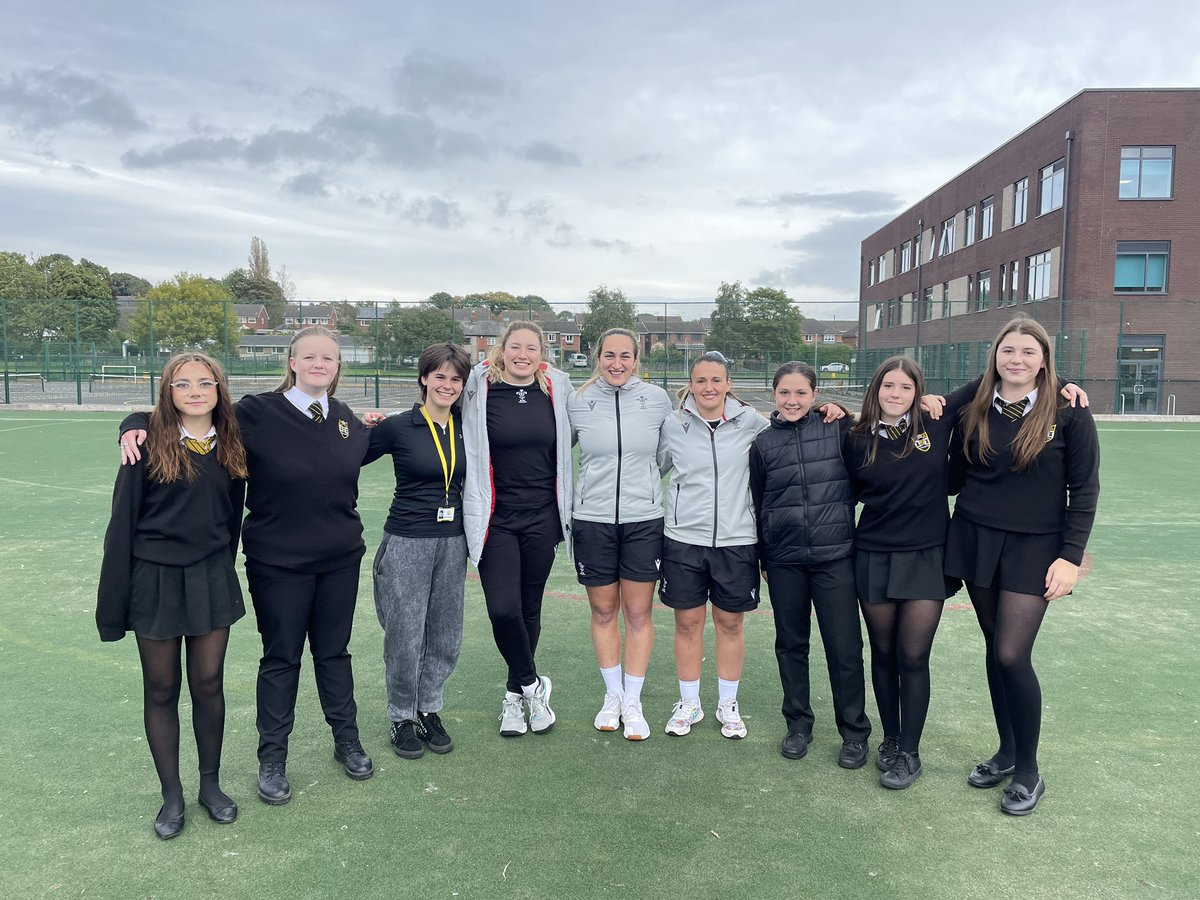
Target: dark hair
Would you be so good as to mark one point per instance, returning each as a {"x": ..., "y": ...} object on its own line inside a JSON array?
[
  {"x": 795, "y": 368},
  {"x": 710, "y": 356},
  {"x": 612, "y": 332},
  {"x": 166, "y": 458},
  {"x": 435, "y": 356},
  {"x": 289, "y": 377},
  {"x": 871, "y": 409}
]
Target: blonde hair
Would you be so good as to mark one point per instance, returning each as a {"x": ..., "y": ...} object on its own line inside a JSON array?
[
  {"x": 289, "y": 377},
  {"x": 612, "y": 332},
  {"x": 1031, "y": 439},
  {"x": 495, "y": 360}
]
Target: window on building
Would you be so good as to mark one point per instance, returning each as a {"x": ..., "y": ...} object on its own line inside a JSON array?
[
  {"x": 917, "y": 250},
  {"x": 881, "y": 267},
  {"x": 829, "y": 338},
  {"x": 1142, "y": 267},
  {"x": 906, "y": 256},
  {"x": 878, "y": 317},
  {"x": 1003, "y": 285},
  {"x": 986, "y": 209},
  {"x": 927, "y": 304},
  {"x": 969, "y": 227},
  {"x": 1146, "y": 173},
  {"x": 1020, "y": 201},
  {"x": 491, "y": 342},
  {"x": 551, "y": 337},
  {"x": 945, "y": 300},
  {"x": 1037, "y": 277},
  {"x": 983, "y": 290},
  {"x": 947, "y": 242},
  {"x": 1053, "y": 183},
  {"x": 1014, "y": 285},
  {"x": 871, "y": 272}
]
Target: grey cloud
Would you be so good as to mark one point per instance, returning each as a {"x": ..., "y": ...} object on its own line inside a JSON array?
[
  {"x": 426, "y": 80},
  {"x": 285, "y": 143},
  {"x": 614, "y": 244},
  {"x": 306, "y": 184},
  {"x": 549, "y": 154},
  {"x": 827, "y": 257},
  {"x": 84, "y": 171},
  {"x": 641, "y": 160},
  {"x": 503, "y": 205},
  {"x": 44, "y": 99},
  {"x": 537, "y": 212},
  {"x": 193, "y": 150},
  {"x": 435, "y": 212},
  {"x": 562, "y": 236},
  {"x": 856, "y": 202}
]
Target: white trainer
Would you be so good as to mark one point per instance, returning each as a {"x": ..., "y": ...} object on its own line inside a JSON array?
[
  {"x": 541, "y": 716},
  {"x": 636, "y": 727},
  {"x": 730, "y": 718},
  {"x": 512, "y": 716},
  {"x": 609, "y": 716},
  {"x": 685, "y": 714}
]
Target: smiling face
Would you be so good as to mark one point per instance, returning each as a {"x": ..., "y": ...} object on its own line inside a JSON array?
[
  {"x": 443, "y": 387},
  {"x": 897, "y": 393},
  {"x": 709, "y": 384},
  {"x": 794, "y": 396},
  {"x": 314, "y": 361},
  {"x": 522, "y": 355},
  {"x": 194, "y": 395},
  {"x": 618, "y": 360},
  {"x": 1019, "y": 359}
]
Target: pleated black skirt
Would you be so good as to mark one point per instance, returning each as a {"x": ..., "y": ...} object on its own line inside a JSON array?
[
  {"x": 175, "y": 601},
  {"x": 1005, "y": 560},
  {"x": 901, "y": 575}
]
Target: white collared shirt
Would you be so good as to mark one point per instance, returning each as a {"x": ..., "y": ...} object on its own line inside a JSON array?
[
  {"x": 903, "y": 420},
  {"x": 303, "y": 401},
  {"x": 184, "y": 434},
  {"x": 1031, "y": 397}
]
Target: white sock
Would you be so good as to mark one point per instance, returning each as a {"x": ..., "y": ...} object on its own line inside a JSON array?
[
  {"x": 612, "y": 679},
  {"x": 727, "y": 690},
  {"x": 690, "y": 690},
  {"x": 509, "y": 695},
  {"x": 633, "y": 688},
  {"x": 530, "y": 689}
]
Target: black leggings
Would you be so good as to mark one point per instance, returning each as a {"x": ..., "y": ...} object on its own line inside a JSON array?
[
  {"x": 901, "y": 636},
  {"x": 513, "y": 570},
  {"x": 1010, "y": 623},
  {"x": 162, "y": 679}
]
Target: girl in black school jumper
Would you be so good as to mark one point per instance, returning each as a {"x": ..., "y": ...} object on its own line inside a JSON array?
[
  {"x": 1026, "y": 467},
  {"x": 303, "y": 545},
  {"x": 805, "y": 509},
  {"x": 168, "y": 573},
  {"x": 421, "y": 565},
  {"x": 517, "y": 506}
]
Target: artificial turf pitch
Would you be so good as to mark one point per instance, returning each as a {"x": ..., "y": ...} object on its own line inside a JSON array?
[{"x": 577, "y": 813}]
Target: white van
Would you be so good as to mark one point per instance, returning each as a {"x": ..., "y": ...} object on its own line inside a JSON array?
[{"x": 578, "y": 360}]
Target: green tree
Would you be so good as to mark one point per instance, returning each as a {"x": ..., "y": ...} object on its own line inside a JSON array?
[
  {"x": 189, "y": 311},
  {"x": 125, "y": 285},
  {"x": 245, "y": 287},
  {"x": 729, "y": 321},
  {"x": 607, "y": 308},
  {"x": 57, "y": 294},
  {"x": 535, "y": 305},
  {"x": 406, "y": 331},
  {"x": 774, "y": 322},
  {"x": 442, "y": 300}
]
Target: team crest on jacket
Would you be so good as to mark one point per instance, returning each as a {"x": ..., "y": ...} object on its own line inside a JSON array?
[
  {"x": 921, "y": 441},
  {"x": 641, "y": 399},
  {"x": 1050, "y": 434},
  {"x": 591, "y": 404},
  {"x": 343, "y": 428},
  {"x": 687, "y": 423},
  {"x": 521, "y": 395},
  {"x": 470, "y": 395}
]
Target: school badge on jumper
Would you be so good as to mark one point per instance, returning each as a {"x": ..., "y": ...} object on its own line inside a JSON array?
[
  {"x": 343, "y": 428},
  {"x": 1050, "y": 434},
  {"x": 521, "y": 395},
  {"x": 921, "y": 442}
]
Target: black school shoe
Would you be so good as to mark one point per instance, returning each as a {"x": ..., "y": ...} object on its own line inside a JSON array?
[
  {"x": 433, "y": 733},
  {"x": 273, "y": 787},
  {"x": 1018, "y": 801},
  {"x": 405, "y": 741},
  {"x": 354, "y": 759},
  {"x": 795, "y": 745},
  {"x": 853, "y": 755},
  {"x": 988, "y": 774},
  {"x": 888, "y": 751},
  {"x": 904, "y": 771},
  {"x": 167, "y": 827}
]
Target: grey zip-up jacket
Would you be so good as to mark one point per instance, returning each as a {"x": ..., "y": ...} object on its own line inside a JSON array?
[
  {"x": 617, "y": 432},
  {"x": 479, "y": 497},
  {"x": 708, "y": 500}
]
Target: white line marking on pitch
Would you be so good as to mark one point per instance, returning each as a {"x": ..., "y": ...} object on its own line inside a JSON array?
[{"x": 57, "y": 487}]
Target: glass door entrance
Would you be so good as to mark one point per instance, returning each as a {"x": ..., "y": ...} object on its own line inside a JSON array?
[{"x": 1139, "y": 382}]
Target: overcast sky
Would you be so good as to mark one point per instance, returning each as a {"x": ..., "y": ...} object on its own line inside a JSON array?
[{"x": 397, "y": 149}]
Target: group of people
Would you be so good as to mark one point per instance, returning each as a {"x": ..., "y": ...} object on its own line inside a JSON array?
[{"x": 484, "y": 470}]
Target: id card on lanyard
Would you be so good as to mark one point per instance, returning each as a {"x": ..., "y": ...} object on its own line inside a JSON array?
[{"x": 445, "y": 513}]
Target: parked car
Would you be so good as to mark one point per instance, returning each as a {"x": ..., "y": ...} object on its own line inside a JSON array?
[
  {"x": 578, "y": 360},
  {"x": 835, "y": 367}
]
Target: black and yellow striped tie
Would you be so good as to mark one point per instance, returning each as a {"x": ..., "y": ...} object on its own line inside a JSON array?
[
  {"x": 200, "y": 445},
  {"x": 315, "y": 409},
  {"x": 1013, "y": 410},
  {"x": 895, "y": 432}
]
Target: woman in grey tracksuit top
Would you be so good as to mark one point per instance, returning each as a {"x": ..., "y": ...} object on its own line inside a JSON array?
[
  {"x": 517, "y": 505},
  {"x": 615, "y": 419},
  {"x": 709, "y": 551}
]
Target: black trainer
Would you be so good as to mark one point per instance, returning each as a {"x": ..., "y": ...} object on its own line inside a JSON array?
[
  {"x": 905, "y": 770},
  {"x": 853, "y": 755},
  {"x": 405, "y": 741},
  {"x": 432, "y": 732},
  {"x": 886, "y": 758},
  {"x": 794, "y": 745}
]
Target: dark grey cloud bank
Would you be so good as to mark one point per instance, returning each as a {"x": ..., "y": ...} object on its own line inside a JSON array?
[{"x": 46, "y": 99}]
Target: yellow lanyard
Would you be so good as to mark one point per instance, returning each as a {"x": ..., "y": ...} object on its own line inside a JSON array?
[{"x": 441, "y": 453}]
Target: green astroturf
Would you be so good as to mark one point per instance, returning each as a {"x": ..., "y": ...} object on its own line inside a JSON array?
[{"x": 576, "y": 813}]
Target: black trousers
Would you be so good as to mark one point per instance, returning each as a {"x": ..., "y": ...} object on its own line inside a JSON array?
[
  {"x": 291, "y": 606},
  {"x": 513, "y": 570},
  {"x": 829, "y": 587}
]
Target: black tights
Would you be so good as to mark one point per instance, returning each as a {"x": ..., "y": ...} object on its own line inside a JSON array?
[
  {"x": 901, "y": 636},
  {"x": 162, "y": 679},
  {"x": 1010, "y": 624}
]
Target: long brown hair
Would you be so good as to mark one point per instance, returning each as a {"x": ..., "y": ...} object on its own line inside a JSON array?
[
  {"x": 612, "y": 332},
  {"x": 167, "y": 458},
  {"x": 1031, "y": 439},
  {"x": 289, "y": 377},
  {"x": 712, "y": 356},
  {"x": 871, "y": 410},
  {"x": 495, "y": 360}
]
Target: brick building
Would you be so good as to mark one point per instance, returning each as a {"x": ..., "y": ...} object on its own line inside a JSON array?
[{"x": 1088, "y": 221}]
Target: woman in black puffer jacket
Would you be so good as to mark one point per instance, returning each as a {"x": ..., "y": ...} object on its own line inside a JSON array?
[{"x": 805, "y": 509}]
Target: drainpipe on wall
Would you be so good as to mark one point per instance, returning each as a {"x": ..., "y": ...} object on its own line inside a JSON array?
[
  {"x": 918, "y": 312},
  {"x": 1062, "y": 252}
]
